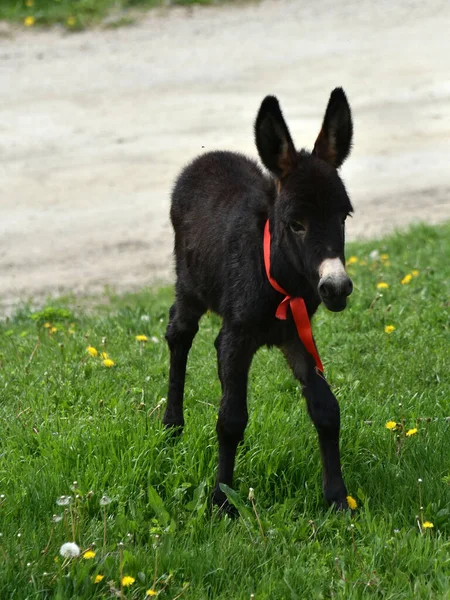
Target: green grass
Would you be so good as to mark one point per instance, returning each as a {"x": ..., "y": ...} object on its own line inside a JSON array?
[
  {"x": 78, "y": 14},
  {"x": 65, "y": 417}
]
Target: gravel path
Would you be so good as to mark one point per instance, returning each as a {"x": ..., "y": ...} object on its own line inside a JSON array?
[{"x": 95, "y": 126}]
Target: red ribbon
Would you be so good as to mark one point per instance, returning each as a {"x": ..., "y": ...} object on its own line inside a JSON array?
[{"x": 298, "y": 307}]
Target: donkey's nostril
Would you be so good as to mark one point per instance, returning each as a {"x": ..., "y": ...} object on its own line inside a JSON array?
[
  {"x": 326, "y": 288},
  {"x": 348, "y": 287}
]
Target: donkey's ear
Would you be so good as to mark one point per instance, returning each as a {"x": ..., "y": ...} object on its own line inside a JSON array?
[
  {"x": 273, "y": 140},
  {"x": 334, "y": 142}
]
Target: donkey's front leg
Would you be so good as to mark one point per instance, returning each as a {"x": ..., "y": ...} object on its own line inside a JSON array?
[
  {"x": 234, "y": 356},
  {"x": 323, "y": 408},
  {"x": 324, "y": 411}
]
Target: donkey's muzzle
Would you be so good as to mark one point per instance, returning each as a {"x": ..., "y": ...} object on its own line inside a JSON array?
[
  {"x": 334, "y": 284},
  {"x": 334, "y": 290}
]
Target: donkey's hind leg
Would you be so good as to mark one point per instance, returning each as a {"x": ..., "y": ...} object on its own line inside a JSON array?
[
  {"x": 181, "y": 329},
  {"x": 323, "y": 408}
]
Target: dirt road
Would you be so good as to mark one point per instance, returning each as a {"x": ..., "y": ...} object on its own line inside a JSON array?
[{"x": 95, "y": 126}]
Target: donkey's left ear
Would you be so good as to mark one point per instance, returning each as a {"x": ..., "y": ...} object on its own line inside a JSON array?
[{"x": 334, "y": 142}]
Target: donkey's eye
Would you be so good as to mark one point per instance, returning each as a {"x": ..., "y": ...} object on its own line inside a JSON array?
[{"x": 297, "y": 226}]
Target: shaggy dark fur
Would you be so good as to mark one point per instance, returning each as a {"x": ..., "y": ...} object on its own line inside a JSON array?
[{"x": 220, "y": 204}]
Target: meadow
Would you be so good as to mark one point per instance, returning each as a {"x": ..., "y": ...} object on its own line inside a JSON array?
[
  {"x": 75, "y": 15},
  {"x": 85, "y": 459}
]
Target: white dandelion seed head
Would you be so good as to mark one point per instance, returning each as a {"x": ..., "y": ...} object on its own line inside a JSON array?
[
  {"x": 419, "y": 480},
  {"x": 57, "y": 518},
  {"x": 19, "y": 535},
  {"x": 69, "y": 550},
  {"x": 154, "y": 339},
  {"x": 251, "y": 493},
  {"x": 145, "y": 318},
  {"x": 28, "y": 564},
  {"x": 396, "y": 530},
  {"x": 374, "y": 255},
  {"x": 64, "y": 500},
  {"x": 105, "y": 500},
  {"x": 2, "y": 496}
]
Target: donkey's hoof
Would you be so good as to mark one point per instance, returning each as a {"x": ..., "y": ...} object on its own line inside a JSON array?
[
  {"x": 339, "y": 504},
  {"x": 174, "y": 429},
  {"x": 336, "y": 496},
  {"x": 224, "y": 507}
]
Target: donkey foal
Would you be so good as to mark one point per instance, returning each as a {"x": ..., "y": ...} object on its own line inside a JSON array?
[{"x": 221, "y": 203}]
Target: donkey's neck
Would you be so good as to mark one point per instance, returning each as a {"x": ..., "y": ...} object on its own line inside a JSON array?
[{"x": 295, "y": 283}]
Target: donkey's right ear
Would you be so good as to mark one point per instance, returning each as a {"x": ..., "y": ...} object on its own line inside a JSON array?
[{"x": 273, "y": 140}]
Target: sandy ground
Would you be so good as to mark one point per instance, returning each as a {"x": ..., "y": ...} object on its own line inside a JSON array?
[{"x": 95, "y": 126}]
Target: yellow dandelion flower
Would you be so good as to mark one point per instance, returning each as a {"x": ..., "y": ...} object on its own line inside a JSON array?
[
  {"x": 29, "y": 3},
  {"x": 53, "y": 329},
  {"x": 141, "y": 338},
  {"x": 104, "y": 355},
  {"x": 427, "y": 525},
  {"x": 151, "y": 593},
  {"x": 411, "y": 432},
  {"x": 71, "y": 21},
  {"x": 414, "y": 272},
  {"x": 352, "y": 260},
  {"x": 127, "y": 580},
  {"x": 382, "y": 285},
  {"x": 389, "y": 329},
  {"x": 384, "y": 257},
  {"x": 352, "y": 504},
  {"x": 29, "y": 21},
  {"x": 108, "y": 362},
  {"x": 406, "y": 279},
  {"x": 92, "y": 351},
  {"x": 98, "y": 578},
  {"x": 47, "y": 325},
  {"x": 88, "y": 554},
  {"x": 391, "y": 425}
]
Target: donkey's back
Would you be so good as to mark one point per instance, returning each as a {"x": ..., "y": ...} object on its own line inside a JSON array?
[{"x": 220, "y": 203}]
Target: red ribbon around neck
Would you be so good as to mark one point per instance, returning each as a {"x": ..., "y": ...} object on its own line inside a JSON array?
[{"x": 298, "y": 307}]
